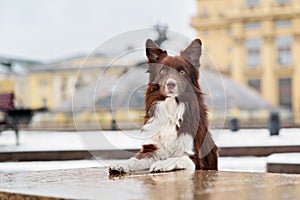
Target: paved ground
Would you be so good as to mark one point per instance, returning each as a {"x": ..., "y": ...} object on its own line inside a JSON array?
[
  {"x": 241, "y": 164},
  {"x": 94, "y": 183}
]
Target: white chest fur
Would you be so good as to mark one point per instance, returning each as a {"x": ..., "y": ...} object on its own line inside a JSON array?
[
  {"x": 161, "y": 128},
  {"x": 172, "y": 149}
]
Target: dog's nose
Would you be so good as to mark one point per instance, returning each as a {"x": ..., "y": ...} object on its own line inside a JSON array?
[{"x": 171, "y": 84}]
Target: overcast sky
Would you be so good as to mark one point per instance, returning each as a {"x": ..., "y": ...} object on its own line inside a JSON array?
[{"x": 49, "y": 29}]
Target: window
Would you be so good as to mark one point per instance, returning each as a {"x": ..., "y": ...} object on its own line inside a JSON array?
[
  {"x": 253, "y": 46},
  {"x": 283, "y": 23},
  {"x": 229, "y": 67},
  {"x": 43, "y": 82},
  {"x": 252, "y": 3},
  {"x": 282, "y": 2},
  {"x": 44, "y": 102},
  {"x": 285, "y": 93},
  {"x": 284, "y": 46},
  {"x": 255, "y": 84},
  {"x": 204, "y": 12},
  {"x": 80, "y": 83},
  {"x": 252, "y": 25},
  {"x": 229, "y": 32}
]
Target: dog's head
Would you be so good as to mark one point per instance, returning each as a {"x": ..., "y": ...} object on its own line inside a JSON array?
[{"x": 173, "y": 75}]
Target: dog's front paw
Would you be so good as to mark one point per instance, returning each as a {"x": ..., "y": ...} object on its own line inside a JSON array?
[
  {"x": 118, "y": 169},
  {"x": 162, "y": 166},
  {"x": 172, "y": 164}
]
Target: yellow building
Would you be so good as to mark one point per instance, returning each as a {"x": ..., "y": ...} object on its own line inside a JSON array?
[
  {"x": 257, "y": 43},
  {"x": 6, "y": 85},
  {"x": 51, "y": 84},
  {"x": 13, "y": 78}
]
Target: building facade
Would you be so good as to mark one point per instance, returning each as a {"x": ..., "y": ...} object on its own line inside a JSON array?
[
  {"x": 257, "y": 43},
  {"x": 51, "y": 84},
  {"x": 13, "y": 78}
]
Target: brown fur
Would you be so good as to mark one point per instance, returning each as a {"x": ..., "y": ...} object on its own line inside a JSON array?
[
  {"x": 147, "y": 151},
  {"x": 195, "y": 116}
]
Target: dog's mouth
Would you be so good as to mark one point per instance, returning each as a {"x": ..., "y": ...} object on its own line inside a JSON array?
[
  {"x": 171, "y": 87},
  {"x": 171, "y": 93}
]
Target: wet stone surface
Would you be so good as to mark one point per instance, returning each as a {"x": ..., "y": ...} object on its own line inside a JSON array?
[{"x": 95, "y": 183}]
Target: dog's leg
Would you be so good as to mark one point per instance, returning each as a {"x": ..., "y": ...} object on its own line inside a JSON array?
[
  {"x": 171, "y": 164},
  {"x": 131, "y": 165}
]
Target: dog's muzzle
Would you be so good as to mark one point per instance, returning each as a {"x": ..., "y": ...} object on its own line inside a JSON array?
[{"x": 171, "y": 87}]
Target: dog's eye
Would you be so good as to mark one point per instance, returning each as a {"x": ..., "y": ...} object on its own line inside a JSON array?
[
  {"x": 182, "y": 72},
  {"x": 163, "y": 71}
]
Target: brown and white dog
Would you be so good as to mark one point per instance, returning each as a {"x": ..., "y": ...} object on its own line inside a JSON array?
[{"x": 176, "y": 116}]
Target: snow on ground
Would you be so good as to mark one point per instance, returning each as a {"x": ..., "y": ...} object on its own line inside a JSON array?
[
  {"x": 47, "y": 141},
  {"x": 43, "y": 140},
  {"x": 287, "y": 158},
  {"x": 47, "y": 165},
  {"x": 243, "y": 164},
  {"x": 256, "y": 137}
]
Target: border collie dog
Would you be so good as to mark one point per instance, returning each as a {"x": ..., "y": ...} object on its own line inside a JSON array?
[{"x": 176, "y": 116}]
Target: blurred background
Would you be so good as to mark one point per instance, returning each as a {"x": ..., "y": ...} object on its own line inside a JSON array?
[
  {"x": 49, "y": 53},
  {"x": 43, "y": 46}
]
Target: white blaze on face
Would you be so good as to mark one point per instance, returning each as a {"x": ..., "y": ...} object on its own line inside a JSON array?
[{"x": 171, "y": 87}]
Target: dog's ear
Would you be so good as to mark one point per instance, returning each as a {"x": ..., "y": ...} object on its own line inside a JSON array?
[
  {"x": 153, "y": 52},
  {"x": 193, "y": 52}
]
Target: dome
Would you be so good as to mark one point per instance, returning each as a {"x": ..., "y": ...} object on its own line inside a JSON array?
[{"x": 128, "y": 90}]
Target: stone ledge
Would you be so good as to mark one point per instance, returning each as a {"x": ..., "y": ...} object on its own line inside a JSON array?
[
  {"x": 94, "y": 183},
  {"x": 283, "y": 168},
  {"x": 44, "y": 155},
  {"x": 284, "y": 163},
  {"x": 19, "y": 196}
]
